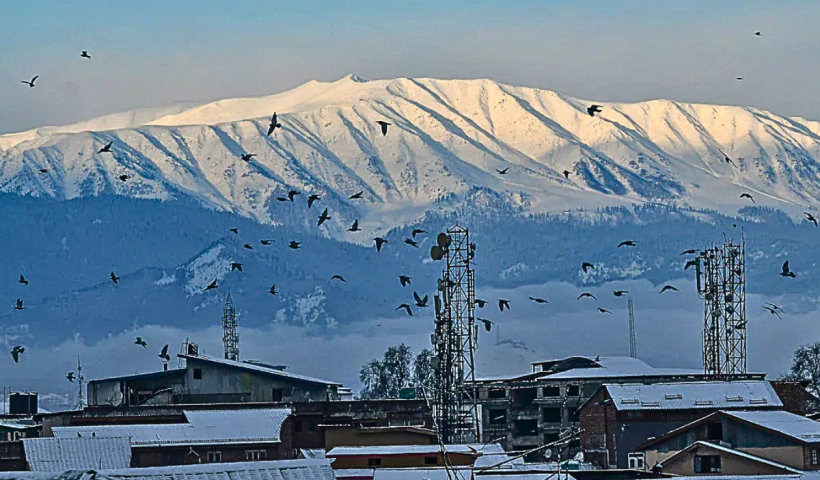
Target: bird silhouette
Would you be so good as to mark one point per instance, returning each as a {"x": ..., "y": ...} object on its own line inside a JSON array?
[
  {"x": 773, "y": 312},
  {"x": 786, "y": 272},
  {"x": 689, "y": 252},
  {"x": 247, "y": 156},
  {"x": 22, "y": 280},
  {"x": 757, "y": 34},
  {"x": 234, "y": 230},
  {"x": 312, "y": 199},
  {"x": 85, "y": 54},
  {"x": 295, "y": 245},
  {"x": 384, "y": 126},
  {"x": 738, "y": 78},
  {"x": 405, "y": 280},
  {"x": 124, "y": 177},
  {"x": 266, "y": 242},
  {"x": 356, "y": 196},
  {"x": 726, "y": 158},
  {"x": 114, "y": 278},
  {"x": 406, "y": 308},
  {"x": 164, "y": 354},
  {"x": 236, "y": 266},
  {"x": 248, "y": 246},
  {"x": 810, "y": 218},
  {"x": 338, "y": 277},
  {"x": 666, "y": 288},
  {"x": 354, "y": 227},
  {"x": 411, "y": 242},
  {"x": 18, "y": 305},
  {"x": 586, "y": 295},
  {"x": 538, "y": 300},
  {"x": 420, "y": 302},
  {"x": 503, "y": 303},
  {"x": 488, "y": 325},
  {"x": 480, "y": 302},
  {"x": 586, "y": 266},
  {"x": 30, "y": 83},
  {"x": 627, "y": 243},
  {"x": 292, "y": 194},
  {"x": 502, "y": 171},
  {"x": 70, "y": 377},
  {"x": 282, "y": 199},
  {"x": 379, "y": 242},
  {"x": 16, "y": 351},
  {"x": 43, "y": 170},
  {"x": 272, "y": 290},
  {"x": 620, "y": 293},
  {"x": 212, "y": 285},
  {"x": 604, "y": 310},
  {"x": 106, "y": 148},
  {"x": 592, "y": 110},
  {"x": 749, "y": 196},
  {"x": 139, "y": 341},
  {"x": 691, "y": 263},
  {"x": 274, "y": 124},
  {"x": 323, "y": 218},
  {"x": 775, "y": 307},
  {"x": 566, "y": 174},
  {"x": 416, "y": 231}
]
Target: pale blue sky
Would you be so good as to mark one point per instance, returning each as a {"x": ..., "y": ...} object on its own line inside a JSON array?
[{"x": 151, "y": 52}]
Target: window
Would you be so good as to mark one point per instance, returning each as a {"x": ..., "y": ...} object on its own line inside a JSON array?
[
  {"x": 552, "y": 415},
  {"x": 498, "y": 417},
  {"x": 255, "y": 455},
  {"x": 573, "y": 415},
  {"x": 374, "y": 462},
  {"x": 714, "y": 431},
  {"x": 496, "y": 393},
  {"x": 431, "y": 460},
  {"x": 276, "y": 395},
  {"x": 214, "y": 457},
  {"x": 573, "y": 390},
  {"x": 197, "y": 374},
  {"x": 550, "y": 438},
  {"x": 815, "y": 457},
  {"x": 637, "y": 461},
  {"x": 551, "y": 392},
  {"x": 707, "y": 464},
  {"x": 297, "y": 426}
]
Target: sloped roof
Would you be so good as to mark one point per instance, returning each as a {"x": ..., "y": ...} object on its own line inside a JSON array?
[
  {"x": 693, "y": 395},
  {"x": 257, "y": 368},
  {"x": 795, "y": 426},
  {"x": 204, "y": 427},
  {"x": 421, "y": 474},
  {"x": 732, "y": 451},
  {"x": 136, "y": 376},
  {"x": 61, "y": 454}
]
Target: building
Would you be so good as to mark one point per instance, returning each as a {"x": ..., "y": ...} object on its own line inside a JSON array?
[
  {"x": 619, "y": 418},
  {"x": 11, "y": 430},
  {"x": 80, "y": 453},
  {"x": 409, "y": 456},
  {"x": 529, "y": 410},
  {"x": 206, "y": 380},
  {"x": 358, "y": 436},
  {"x": 704, "y": 458}
]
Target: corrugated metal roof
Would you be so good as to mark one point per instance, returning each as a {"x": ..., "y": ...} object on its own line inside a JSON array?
[
  {"x": 259, "y": 369},
  {"x": 204, "y": 427},
  {"x": 421, "y": 474},
  {"x": 61, "y": 454},
  {"x": 795, "y": 426},
  {"x": 693, "y": 395},
  {"x": 732, "y": 451},
  {"x": 623, "y": 367}
]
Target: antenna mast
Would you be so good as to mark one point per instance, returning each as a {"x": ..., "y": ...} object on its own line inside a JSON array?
[
  {"x": 230, "y": 337},
  {"x": 80, "y": 386},
  {"x": 633, "y": 347}
]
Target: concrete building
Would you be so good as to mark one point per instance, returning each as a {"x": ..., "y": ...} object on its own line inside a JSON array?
[
  {"x": 531, "y": 409},
  {"x": 618, "y": 418}
]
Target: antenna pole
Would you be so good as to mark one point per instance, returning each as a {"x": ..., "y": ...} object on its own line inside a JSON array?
[
  {"x": 633, "y": 347},
  {"x": 230, "y": 337},
  {"x": 80, "y": 386}
]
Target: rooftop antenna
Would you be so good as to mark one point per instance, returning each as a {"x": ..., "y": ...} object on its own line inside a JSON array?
[
  {"x": 80, "y": 386},
  {"x": 230, "y": 337},
  {"x": 633, "y": 347}
]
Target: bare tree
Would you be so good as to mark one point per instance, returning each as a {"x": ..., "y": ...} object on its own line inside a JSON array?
[{"x": 806, "y": 366}]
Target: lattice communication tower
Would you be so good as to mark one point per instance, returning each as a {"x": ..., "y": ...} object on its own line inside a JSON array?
[{"x": 230, "y": 337}]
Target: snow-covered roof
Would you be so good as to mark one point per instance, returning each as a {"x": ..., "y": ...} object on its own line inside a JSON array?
[
  {"x": 474, "y": 449},
  {"x": 523, "y": 475},
  {"x": 354, "y": 473},
  {"x": 257, "y": 368},
  {"x": 137, "y": 376},
  {"x": 738, "y": 453},
  {"x": 800, "y": 428},
  {"x": 204, "y": 427},
  {"x": 421, "y": 474},
  {"x": 61, "y": 454},
  {"x": 312, "y": 453},
  {"x": 623, "y": 367},
  {"x": 693, "y": 395}
]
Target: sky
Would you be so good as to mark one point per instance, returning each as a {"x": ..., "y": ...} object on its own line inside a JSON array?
[{"x": 156, "y": 53}]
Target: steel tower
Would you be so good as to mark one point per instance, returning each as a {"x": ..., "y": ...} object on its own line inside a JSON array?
[{"x": 230, "y": 337}]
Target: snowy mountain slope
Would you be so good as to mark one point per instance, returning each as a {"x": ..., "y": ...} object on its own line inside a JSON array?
[{"x": 448, "y": 136}]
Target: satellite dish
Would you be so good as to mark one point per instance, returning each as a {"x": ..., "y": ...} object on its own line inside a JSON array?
[
  {"x": 548, "y": 453},
  {"x": 443, "y": 240},
  {"x": 115, "y": 400},
  {"x": 436, "y": 253}
]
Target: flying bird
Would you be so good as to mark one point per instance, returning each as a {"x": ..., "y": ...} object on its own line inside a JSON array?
[
  {"x": 593, "y": 110},
  {"x": 282, "y": 199},
  {"x": 566, "y": 174},
  {"x": 379, "y": 242},
  {"x": 234, "y": 230},
  {"x": 248, "y": 246},
  {"x": 538, "y": 300},
  {"x": 356, "y": 196},
  {"x": 124, "y": 177},
  {"x": 212, "y": 286},
  {"x": 312, "y": 199},
  {"x": 668, "y": 287},
  {"x": 384, "y": 126},
  {"x": 292, "y": 194},
  {"x": 265, "y": 242},
  {"x": 586, "y": 295},
  {"x": 114, "y": 278},
  {"x": 139, "y": 341},
  {"x": 247, "y": 156},
  {"x": 43, "y": 170},
  {"x": 420, "y": 302},
  {"x": 604, "y": 310},
  {"x": 323, "y": 218},
  {"x": 488, "y": 325},
  {"x": 691, "y": 263},
  {"x": 18, "y": 305},
  {"x": 355, "y": 227},
  {"x": 502, "y": 171},
  {"x": 31, "y": 82},
  {"x": 757, "y": 34},
  {"x": 416, "y": 231},
  {"x": 338, "y": 277},
  {"x": 164, "y": 354},
  {"x": 22, "y": 280},
  {"x": 775, "y": 307},
  {"x": 586, "y": 266},
  {"x": 16, "y": 351},
  {"x": 480, "y": 302},
  {"x": 786, "y": 272},
  {"x": 273, "y": 124},
  {"x": 411, "y": 242},
  {"x": 406, "y": 308},
  {"x": 70, "y": 377},
  {"x": 236, "y": 266},
  {"x": 295, "y": 245},
  {"x": 773, "y": 312},
  {"x": 106, "y": 148},
  {"x": 746, "y": 195},
  {"x": 689, "y": 252},
  {"x": 627, "y": 243},
  {"x": 272, "y": 290},
  {"x": 620, "y": 293},
  {"x": 405, "y": 280},
  {"x": 726, "y": 158},
  {"x": 85, "y": 54},
  {"x": 738, "y": 78},
  {"x": 503, "y": 303},
  {"x": 810, "y": 218}
]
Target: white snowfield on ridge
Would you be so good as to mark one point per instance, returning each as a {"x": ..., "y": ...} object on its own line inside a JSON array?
[{"x": 446, "y": 138}]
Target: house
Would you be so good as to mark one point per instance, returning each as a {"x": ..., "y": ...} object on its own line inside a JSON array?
[
  {"x": 357, "y": 436},
  {"x": 531, "y": 409},
  {"x": 409, "y": 456},
  {"x": 11, "y": 430},
  {"x": 704, "y": 458},
  {"x": 780, "y": 437},
  {"x": 620, "y": 417},
  {"x": 207, "y": 380},
  {"x": 61, "y": 454}
]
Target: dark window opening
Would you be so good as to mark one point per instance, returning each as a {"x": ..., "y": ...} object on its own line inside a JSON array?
[
  {"x": 311, "y": 428},
  {"x": 297, "y": 427},
  {"x": 524, "y": 396},
  {"x": 573, "y": 390},
  {"x": 550, "y": 437},
  {"x": 551, "y": 391},
  {"x": 276, "y": 395},
  {"x": 374, "y": 462},
  {"x": 525, "y": 427},
  {"x": 496, "y": 393},
  {"x": 197, "y": 374},
  {"x": 714, "y": 431},
  {"x": 214, "y": 457},
  {"x": 707, "y": 464},
  {"x": 498, "y": 417},
  {"x": 552, "y": 415},
  {"x": 573, "y": 415},
  {"x": 431, "y": 460}
]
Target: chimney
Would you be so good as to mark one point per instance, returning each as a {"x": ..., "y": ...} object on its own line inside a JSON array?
[{"x": 164, "y": 366}]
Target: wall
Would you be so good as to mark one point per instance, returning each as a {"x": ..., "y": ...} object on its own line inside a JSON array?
[
  {"x": 12, "y": 457},
  {"x": 729, "y": 464},
  {"x": 169, "y": 456},
  {"x": 634, "y": 428},
  {"x": 355, "y": 437},
  {"x": 400, "y": 461}
]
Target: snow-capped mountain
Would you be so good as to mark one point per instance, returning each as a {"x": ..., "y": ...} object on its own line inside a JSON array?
[{"x": 446, "y": 138}]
